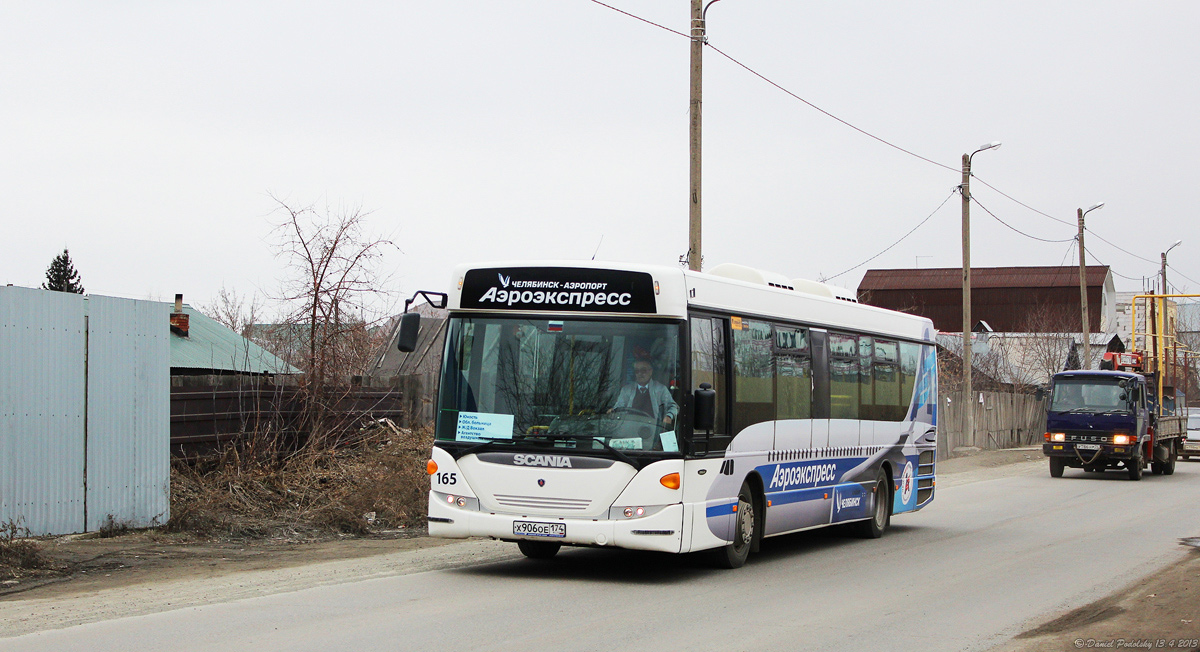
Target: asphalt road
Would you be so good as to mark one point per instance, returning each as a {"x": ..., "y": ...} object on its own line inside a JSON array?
[{"x": 989, "y": 558}]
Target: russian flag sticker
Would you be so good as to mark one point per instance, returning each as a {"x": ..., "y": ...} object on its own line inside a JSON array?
[{"x": 555, "y": 327}]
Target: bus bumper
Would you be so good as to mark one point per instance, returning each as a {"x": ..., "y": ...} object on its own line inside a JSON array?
[{"x": 662, "y": 531}]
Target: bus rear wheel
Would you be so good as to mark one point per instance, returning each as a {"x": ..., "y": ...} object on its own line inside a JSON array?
[
  {"x": 538, "y": 549},
  {"x": 874, "y": 527},
  {"x": 745, "y": 529}
]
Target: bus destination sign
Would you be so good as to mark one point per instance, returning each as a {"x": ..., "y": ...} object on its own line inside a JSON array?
[{"x": 558, "y": 289}]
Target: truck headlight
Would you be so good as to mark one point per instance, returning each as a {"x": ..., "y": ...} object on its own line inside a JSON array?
[
  {"x": 1058, "y": 436},
  {"x": 1122, "y": 440}
]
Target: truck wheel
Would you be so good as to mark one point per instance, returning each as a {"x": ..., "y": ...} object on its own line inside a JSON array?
[
  {"x": 1056, "y": 467},
  {"x": 745, "y": 529},
  {"x": 1168, "y": 467},
  {"x": 538, "y": 549},
  {"x": 1134, "y": 466}
]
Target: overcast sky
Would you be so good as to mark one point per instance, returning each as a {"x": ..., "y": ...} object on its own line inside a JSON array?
[{"x": 150, "y": 137}]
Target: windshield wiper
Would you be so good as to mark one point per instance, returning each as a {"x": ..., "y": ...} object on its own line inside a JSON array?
[
  {"x": 562, "y": 436},
  {"x": 478, "y": 447}
]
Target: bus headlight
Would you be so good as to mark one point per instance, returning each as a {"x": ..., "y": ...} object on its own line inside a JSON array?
[
  {"x": 634, "y": 511},
  {"x": 1058, "y": 436},
  {"x": 1122, "y": 439},
  {"x": 453, "y": 500}
]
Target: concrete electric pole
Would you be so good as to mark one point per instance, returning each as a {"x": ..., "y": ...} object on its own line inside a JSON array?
[
  {"x": 968, "y": 393},
  {"x": 693, "y": 254},
  {"x": 1086, "y": 361},
  {"x": 1164, "y": 268}
]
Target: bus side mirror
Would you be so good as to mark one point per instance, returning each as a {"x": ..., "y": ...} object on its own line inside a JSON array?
[
  {"x": 704, "y": 408},
  {"x": 410, "y": 326},
  {"x": 1040, "y": 394}
]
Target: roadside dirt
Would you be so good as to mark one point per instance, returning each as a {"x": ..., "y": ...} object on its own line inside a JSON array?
[
  {"x": 148, "y": 571},
  {"x": 88, "y": 563},
  {"x": 1159, "y": 612}
]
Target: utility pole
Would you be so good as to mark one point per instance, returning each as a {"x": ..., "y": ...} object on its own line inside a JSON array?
[
  {"x": 1164, "y": 273},
  {"x": 1087, "y": 330},
  {"x": 1086, "y": 361},
  {"x": 965, "y": 190},
  {"x": 694, "y": 176},
  {"x": 968, "y": 407}
]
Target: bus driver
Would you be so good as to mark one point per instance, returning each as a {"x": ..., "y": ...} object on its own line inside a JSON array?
[{"x": 648, "y": 396}]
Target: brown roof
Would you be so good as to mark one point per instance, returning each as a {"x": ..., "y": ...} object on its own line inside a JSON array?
[{"x": 946, "y": 278}]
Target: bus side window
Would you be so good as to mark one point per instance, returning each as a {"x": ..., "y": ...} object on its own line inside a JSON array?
[
  {"x": 844, "y": 381},
  {"x": 754, "y": 375},
  {"x": 708, "y": 362},
  {"x": 869, "y": 408},
  {"x": 890, "y": 404},
  {"x": 793, "y": 373},
  {"x": 909, "y": 362}
]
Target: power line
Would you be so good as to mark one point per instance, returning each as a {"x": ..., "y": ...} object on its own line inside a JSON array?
[
  {"x": 1034, "y": 237},
  {"x": 635, "y": 17},
  {"x": 1070, "y": 248},
  {"x": 885, "y": 142},
  {"x": 788, "y": 92},
  {"x": 1182, "y": 274},
  {"x": 828, "y": 114},
  {"x": 1021, "y": 203},
  {"x": 1115, "y": 273},
  {"x": 1117, "y": 247},
  {"x": 885, "y": 250}
]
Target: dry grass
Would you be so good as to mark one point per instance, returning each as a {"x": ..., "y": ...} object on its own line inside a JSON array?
[
  {"x": 19, "y": 555},
  {"x": 378, "y": 482}
]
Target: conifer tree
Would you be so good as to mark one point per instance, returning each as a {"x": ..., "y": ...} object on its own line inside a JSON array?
[{"x": 61, "y": 275}]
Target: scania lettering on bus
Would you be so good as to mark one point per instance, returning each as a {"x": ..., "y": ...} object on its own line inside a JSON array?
[{"x": 557, "y": 461}]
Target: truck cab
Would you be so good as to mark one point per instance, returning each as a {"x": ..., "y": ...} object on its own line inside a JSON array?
[{"x": 1098, "y": 420}]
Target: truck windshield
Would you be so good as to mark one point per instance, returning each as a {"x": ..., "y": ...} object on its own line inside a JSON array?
[
  {"x": 563, "y": 382},
  {"x": 1088, "y": 395}
]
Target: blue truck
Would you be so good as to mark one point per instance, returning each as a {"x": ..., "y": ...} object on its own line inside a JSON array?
[{"x": 1101, "y": 420}]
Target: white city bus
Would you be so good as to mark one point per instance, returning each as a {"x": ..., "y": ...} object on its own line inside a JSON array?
[{"x": 655, "y": 408}]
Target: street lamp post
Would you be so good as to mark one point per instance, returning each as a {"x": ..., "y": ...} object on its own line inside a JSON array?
[
  {"x": 1087, "y": 330},
  {"x": 1164, "y": 265},
  {"x": 968, "y": 394}
]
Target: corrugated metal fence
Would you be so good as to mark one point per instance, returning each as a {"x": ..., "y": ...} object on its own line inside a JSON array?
[
  {"x": 1002, "y": 420},
  {"x": 84, "y": 421}
]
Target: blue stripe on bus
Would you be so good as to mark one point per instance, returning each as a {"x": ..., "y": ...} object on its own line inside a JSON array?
[
  {"x": 719, "y": 510},
  {"x": 800, "y": 495}
]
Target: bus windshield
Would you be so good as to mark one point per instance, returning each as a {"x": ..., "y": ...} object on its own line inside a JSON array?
[
  {"x": 1089, "y": 395},
  {"x": 576, "y": 383}
]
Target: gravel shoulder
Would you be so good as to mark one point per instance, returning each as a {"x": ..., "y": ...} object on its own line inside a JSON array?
[{"x": 149, "y": 572}]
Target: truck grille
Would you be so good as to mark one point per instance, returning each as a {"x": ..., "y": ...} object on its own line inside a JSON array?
[{"x": 1089, "y": 437}]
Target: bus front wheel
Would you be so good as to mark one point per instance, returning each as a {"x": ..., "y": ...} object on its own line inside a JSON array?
[
  {"x": 745, "y": 529},
  {"x": 538, "y": 549}
]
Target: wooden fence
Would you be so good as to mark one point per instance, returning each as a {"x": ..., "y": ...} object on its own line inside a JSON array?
[{"x": 1002, "y": 420}]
